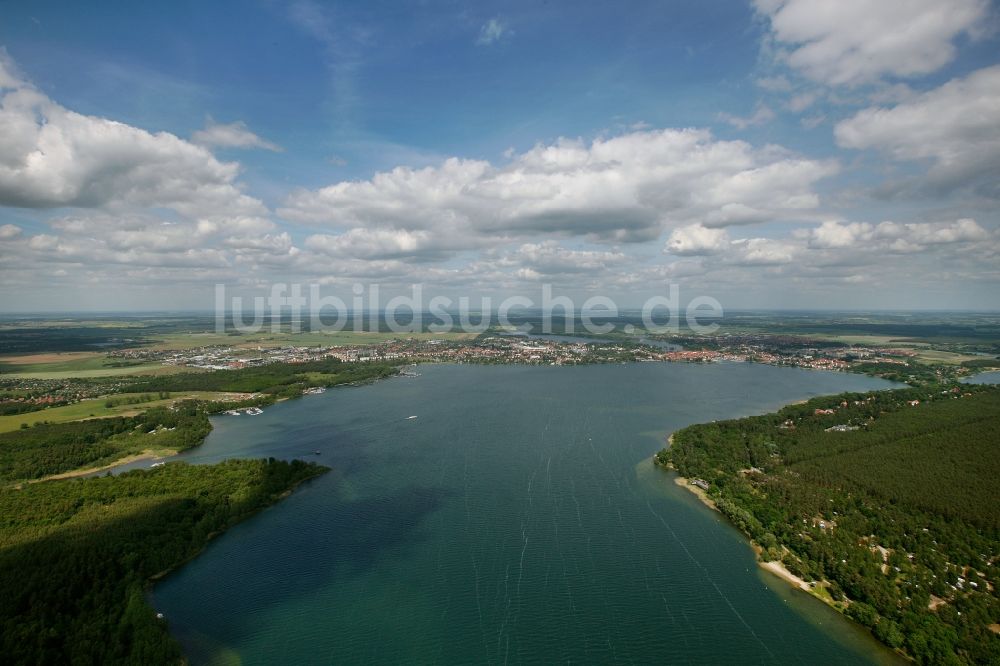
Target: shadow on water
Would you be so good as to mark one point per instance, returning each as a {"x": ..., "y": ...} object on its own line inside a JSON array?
[{"x": 276, "y": 561}]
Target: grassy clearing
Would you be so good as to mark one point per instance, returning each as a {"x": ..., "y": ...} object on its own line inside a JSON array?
[
  {"x": 870, "y": 340},
  {"x": 97, "y": 408},
  {"x": 950, "y": 358}
]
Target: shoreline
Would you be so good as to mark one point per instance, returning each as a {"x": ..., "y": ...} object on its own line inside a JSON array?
[
  {"x": 774, "y": 567},
  {"x": 148, "y": 454}
]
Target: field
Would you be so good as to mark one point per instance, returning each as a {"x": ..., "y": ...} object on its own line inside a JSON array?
[
  {"x": 280, "y": 339},
  {"x": 97, "y": 408}
]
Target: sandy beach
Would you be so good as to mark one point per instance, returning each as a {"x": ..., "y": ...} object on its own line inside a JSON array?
[
  {"x": 145, "y": 455},
  {"x": 779, "y": 570},
  {"x": 775, "y": 567}
]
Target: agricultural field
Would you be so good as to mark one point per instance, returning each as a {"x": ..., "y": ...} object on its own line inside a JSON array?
[
  {"x": 182, "y": 340},
  {"x": 64, "y": 365}
]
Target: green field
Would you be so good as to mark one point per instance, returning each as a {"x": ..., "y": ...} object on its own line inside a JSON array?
[
  {"x": 96, "y": 408},
  {"x": 304, "y": 339},
  {"x": 77, "y": 364},
  {"x": 144, "y": 369}
]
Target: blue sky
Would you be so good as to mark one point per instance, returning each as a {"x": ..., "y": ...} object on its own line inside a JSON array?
[{"x": 768, "y": 153}]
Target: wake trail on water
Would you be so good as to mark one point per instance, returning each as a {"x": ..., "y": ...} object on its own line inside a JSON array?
[{"x": 709, "y": 578}]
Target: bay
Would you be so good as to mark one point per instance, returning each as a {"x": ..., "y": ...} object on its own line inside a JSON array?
[{"x": 517, "y": 519}]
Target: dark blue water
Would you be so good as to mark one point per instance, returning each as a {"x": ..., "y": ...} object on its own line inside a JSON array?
[{"x": 517, "y": 519}]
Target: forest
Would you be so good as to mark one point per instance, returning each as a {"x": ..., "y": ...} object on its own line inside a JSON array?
[
  {"x": 76, "y": 556},
  {"x": 277, "y": 379},
  {"x": 53, "y": 448},
  {"x": 886, "y": 501}
]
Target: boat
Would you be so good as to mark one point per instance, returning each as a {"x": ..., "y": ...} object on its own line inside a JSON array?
[
  {"x": 411, "y": 417},
  {"x": 157, "y": 464}
]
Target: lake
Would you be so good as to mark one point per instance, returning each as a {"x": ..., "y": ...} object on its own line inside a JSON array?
[
  {"x": 992, "y": 377},
  {"x": 517, "y": 519}
]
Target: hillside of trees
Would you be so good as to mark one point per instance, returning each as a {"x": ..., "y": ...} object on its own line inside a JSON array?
[
  {"x": 76, "y": 556},
  {"x": 887, "y": 501}
]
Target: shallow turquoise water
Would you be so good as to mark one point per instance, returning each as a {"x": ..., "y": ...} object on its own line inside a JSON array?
[{"x": 517, "y": 519}]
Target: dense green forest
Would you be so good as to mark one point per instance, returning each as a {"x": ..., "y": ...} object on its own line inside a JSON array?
[
  {"x": 887, "y": 501},
  {"x": 278, "y": 379},
  {"x": 53, "y": 448},
  {"x": 76, "y": 556}
]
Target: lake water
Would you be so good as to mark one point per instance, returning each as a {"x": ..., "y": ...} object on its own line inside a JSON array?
[
  {"x": 992, "y": 377},
  {"x": 517, "y": 519}
]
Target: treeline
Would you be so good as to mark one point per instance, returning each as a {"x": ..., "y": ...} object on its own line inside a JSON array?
[
  {"x": 887, "y": 500},
  {"x": 13, "y": 407},
  {"x": 53, "y": 448},
  {"x": 278, "y": 379},
  {"x": 76, "y": 556},
  {"x": 982, "y": 363},
  {"x": 913, "y": 373},
  {"x": 136, "y": 399}
]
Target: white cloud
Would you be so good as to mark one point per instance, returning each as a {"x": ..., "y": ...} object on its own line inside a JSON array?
[
  {"x": 492, "y": 31},
  {"x": 762, "y": 252},
  {"x": 549, "y": 258},
  {"x": 9, "y": 231},
  {"x": 53, "y": 157},
  {"x": 373, "y": 244},
  {"x": 851, "y": 42},
  {"x": 893, "y": 236},
  {"x": 954, "y": 126},
  {"x": 232, "y": 135},
  {"x": 622, "y": 189},
  {"x": 696, "y": 240},
  {"x": 762, "y": 114}
]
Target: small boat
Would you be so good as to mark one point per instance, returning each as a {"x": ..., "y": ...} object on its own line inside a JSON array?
[
  {"x": 157, "y": 464},
  {"x": 411, "y": 417},
  {"x": 317, "y": 452}
]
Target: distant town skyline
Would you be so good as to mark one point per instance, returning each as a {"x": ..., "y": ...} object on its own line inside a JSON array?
[{"x": 783, "y": 154}]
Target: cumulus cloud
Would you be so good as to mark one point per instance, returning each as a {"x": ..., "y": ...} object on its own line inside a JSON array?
[
  {"x": 231, "y": 135},
  {"x": 377, "y": 244},
  {"x": 762, "y": 252},
  {"x": 852, "y": 42},
  {"x": 53, "y": 157},
  {"x": 9, "y": 231},
  {"x": 953, "y": 126},
  {"x": 891, "y": 236},
  {"x": 626, "y": 188},
  {"x": 696, "y": 240},
  {"x": 549, "y": 258}
]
